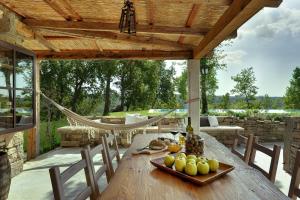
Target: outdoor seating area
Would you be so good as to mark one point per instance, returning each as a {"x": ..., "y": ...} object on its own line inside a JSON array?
[{"x": 64, "y": 62}]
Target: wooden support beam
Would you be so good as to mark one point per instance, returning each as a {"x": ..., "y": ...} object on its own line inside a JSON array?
[
  {"x": 31, "y": 144},
  {"x": 98, "y": 44},
  {"x": 74, "y": 14},
  {"x": 150, "y": 10},
  {"x": 38, "y": 36},
  {"x": 71, "y": 14},
  {"x": 190, "y": 20},
  {"x": 207, "y": 2},
  {"x": 236, "y": 15},
  {"x": 121, "y": 37},
  {"x": 101, "y": 26},
  {"x": 114, "y": 54}
]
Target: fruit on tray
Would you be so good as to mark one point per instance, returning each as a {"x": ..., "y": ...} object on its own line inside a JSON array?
[
  {"x": 191, "y": 165},
  {"x": 213, "y": 165},
  {"x": 180, "y": 163},
  {"x": 181, "y": 155},
  {"x": 191, "y": 169},
  {"x": 203, "y": 167},
  {"x": 191, "y": 157},
  {"x": 169, "y": 160},
  {"x": 190, "y": 160},
  {"x": 174, "y": 148}
]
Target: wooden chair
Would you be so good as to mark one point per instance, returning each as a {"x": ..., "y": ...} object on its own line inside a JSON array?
[
  {"x": 58, "y": 179},
  {"x": 248, "y": 143},
  {"x": 89, "y": 154},
  {"x": 294, "y": 190},
  {"x": 112, "y": 153},
  {"x": 274, "y": 154}
]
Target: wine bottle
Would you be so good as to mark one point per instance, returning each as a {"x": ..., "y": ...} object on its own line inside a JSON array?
[{"x": 189, "y": 127}]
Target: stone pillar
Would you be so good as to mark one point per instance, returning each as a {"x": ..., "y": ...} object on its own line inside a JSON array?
[{"x": 194, "y": 93}]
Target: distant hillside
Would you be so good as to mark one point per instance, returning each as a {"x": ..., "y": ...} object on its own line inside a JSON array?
[{"x": 277, "y": 102}]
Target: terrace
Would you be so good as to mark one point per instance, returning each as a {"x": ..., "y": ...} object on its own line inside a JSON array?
[{"x": 73, "y": 29}]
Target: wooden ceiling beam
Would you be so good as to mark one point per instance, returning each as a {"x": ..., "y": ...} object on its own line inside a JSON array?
[
  {"x": 207, "y": 2},
  {"x": 120, "y": 37},
  {"x": 39, "y": 37},
  {"x": 150, "y": 10},
  {"x": 71, "y": 14},
  {"x": 100, "y": 26},
  {"x": 235, "y": 16},
  {"x": 99, "y": 45},
  {"x": 191, "y": 17},
  {"x": 114, "y": 54}
]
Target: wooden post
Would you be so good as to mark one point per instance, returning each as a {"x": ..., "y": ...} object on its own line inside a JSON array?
[
  {"x": 194, "y": 93},
  {"x": 37, "y": 106}
]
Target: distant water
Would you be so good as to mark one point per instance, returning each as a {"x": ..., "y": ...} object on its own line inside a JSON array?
[{"x": 271, "y": 111}]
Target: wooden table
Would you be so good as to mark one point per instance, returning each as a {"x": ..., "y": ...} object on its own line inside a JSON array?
[{"x": 137, "y": 179}]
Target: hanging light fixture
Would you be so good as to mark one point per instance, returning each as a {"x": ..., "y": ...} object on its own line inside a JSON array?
[{"x": 127, "y": 20}]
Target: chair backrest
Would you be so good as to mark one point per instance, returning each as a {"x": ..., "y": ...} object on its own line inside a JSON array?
[
  {"x": 112, "y": 153},
  {"x": 89, "y": 154},
  {"x": 248, "y": 143},
  {"x": 274, "y": 154},
  {"x": 58, "y": 179},
  {"x": 294, "y": 190}
]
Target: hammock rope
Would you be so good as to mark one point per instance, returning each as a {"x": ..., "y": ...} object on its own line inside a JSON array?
[{"x": 78, "y": 119}]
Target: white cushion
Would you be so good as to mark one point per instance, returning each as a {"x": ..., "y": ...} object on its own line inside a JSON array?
[
  {"x": 134, "y": 118},
  {"x": 213, "y": 121}
]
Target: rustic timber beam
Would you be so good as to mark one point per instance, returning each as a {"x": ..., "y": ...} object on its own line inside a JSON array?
[
  {"x": 236, "y": 15},
  {"x": 101, "y": 26},
  {"x": 120, "y": 37},
  {"x": 114, "y": 54},
  {"x": 61, "y": 9},
  {"x": 150, "y": 10},
  {"x": 38, "y": 36},
  {"x": 207, "y": 2},
  {"x": 98, "y": 44},
  {"x": 190, "y": 20}
]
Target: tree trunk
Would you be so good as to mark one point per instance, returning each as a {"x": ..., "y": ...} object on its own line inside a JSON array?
[
  {"x": 76, "y": 95},
  {"x": 107, "y": 96}
]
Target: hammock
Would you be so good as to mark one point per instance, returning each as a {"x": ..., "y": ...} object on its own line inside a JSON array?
[{"x": 105, "y": 126}]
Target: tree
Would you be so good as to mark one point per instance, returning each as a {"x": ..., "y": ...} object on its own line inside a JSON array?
[
  {"x": 225, "y": 101},
  {"x": 245, "y": 85},
  {"x": 266, "y": 102},
  {"x": 292, "y": 95},
  {"x": 181, "y": 84},
  {"x": 209, "y": 83},
  {"x": 166, "y": 94},
  {"x": 106, "y": 71}
]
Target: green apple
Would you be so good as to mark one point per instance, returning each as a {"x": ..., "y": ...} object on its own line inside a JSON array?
[
  {"x": 191, "y": 169},
  {"x": 203, "y": 167},
  {"x": 169, "y": 160},
  {"x": 213, "y": 165},
  {"x": 180, "y": 163},
  {"x": 201, "y": 158},
  {"x": 181, "y": 155},
  {"x": 191, "y": 157},
  {"x": 190, "y": 161}
]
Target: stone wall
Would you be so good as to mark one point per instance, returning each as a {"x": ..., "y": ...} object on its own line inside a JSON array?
[
  {"x": 291, "y": 143},
  {"x": 266, "y": 130},
  {"x": 14, "y": 145}
]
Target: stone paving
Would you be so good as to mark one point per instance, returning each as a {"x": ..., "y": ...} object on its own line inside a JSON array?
[{"x": 34, "y": 182}]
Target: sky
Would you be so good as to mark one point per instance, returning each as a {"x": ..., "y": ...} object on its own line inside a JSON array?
[{"x": 270, "y": 43}]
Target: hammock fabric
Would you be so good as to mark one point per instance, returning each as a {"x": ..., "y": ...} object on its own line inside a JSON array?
[{"x": 105, "y": 126}]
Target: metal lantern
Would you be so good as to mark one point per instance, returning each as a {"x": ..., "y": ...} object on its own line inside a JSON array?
[{"x": 127, "y": 20}]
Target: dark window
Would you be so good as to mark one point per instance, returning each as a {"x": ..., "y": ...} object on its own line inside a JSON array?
[{"x": 16, "y": 89}]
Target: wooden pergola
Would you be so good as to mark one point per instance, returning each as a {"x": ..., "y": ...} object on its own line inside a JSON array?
[{"x": 88, "y": 29}]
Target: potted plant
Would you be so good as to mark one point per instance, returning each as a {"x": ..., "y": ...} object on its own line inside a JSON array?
[{"x": 5, "y": 174}]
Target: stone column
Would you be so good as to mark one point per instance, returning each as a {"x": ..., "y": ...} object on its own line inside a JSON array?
[{"x": 194, "y": 93}]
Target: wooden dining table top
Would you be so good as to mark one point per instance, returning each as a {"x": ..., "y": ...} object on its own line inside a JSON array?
[{"x": 136, "y": 178}]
